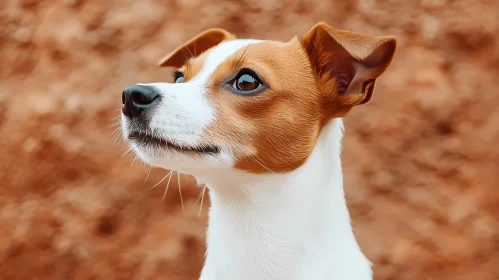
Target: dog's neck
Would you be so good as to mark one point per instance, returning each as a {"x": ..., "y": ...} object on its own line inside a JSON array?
[{"x": 284, "y": 226}]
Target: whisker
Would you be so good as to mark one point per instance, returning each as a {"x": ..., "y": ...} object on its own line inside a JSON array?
[
  {"x": 261, "y": 164},
  {"x": 161, "y": 180},
  {"x": 182, "y": 43},
  {"x": 133, "y": 161},
  {"x": 115, "y": 124},
  {"x": 119, "y": 141},
  {"x": 184, "y": 57},
  {"x": 180, "y": 192},
  {"x": 167, "y": 185},
  {"x": 202, "y": 199},
  {"x": 127, "y": 151},
  {"x": 116, "y": 133},
  {"x": 148, "y": 173},
  {"x": 256, "y": 159},
  {"x": 113, "y": 140},
  {"x": 199, "y": 198},
  {"x": 116, "y": 130}
]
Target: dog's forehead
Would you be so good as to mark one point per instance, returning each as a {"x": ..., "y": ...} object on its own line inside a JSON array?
[{"x": 218, "y": 54}]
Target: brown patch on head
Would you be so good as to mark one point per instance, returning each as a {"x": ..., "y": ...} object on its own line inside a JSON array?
[
  {"x": 275, "y": 130},
  {"x": 308, "y": 82}
]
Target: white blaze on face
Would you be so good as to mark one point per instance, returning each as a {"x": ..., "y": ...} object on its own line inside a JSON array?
[{"x": 218, "y": 55}]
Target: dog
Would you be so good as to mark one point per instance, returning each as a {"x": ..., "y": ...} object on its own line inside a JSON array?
[{"x": 259, "y": 122}]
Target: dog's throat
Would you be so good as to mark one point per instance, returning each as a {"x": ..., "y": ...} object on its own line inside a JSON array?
[{"x": 295, "y": 225}]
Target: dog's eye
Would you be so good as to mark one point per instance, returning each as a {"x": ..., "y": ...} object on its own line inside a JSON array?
[
  {"x": 179, "y": 80},
  {"x": 246, "y": 82},
  {"x": 178, "y": 77}
]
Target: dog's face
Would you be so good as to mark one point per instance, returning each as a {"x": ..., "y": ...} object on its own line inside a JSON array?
[{"x": 252, "y": 105}]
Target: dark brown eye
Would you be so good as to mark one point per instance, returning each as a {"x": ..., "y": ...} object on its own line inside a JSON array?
[{"x": 246, "y": 81}]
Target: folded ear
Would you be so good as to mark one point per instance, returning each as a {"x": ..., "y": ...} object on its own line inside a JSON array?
[
  {"x": 346, "y": 64},
  {"x": 195, "y": 46}
]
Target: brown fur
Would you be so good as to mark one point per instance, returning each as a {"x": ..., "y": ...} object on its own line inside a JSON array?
[
  {"x": 274, "y": 131},
  {"x": 346, "y": 64},
  {"x": 310, "y": 80},
  {"x": 193, "y": 67}
]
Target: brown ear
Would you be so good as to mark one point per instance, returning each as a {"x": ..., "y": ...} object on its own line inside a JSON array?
[
  {"x": 195, "y": 46},
  {"x": 346, "y": 64}
]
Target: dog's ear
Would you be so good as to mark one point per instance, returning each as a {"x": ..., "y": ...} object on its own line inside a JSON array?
[
  {"x": 346, "y": 64},
  {"x": 195, "y": 46}
]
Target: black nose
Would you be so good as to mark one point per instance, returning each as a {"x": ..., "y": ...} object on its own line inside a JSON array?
[{"x": 137, "y": 98}]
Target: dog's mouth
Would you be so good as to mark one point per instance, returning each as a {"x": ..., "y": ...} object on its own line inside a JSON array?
[{"x": 146, "y": 140}]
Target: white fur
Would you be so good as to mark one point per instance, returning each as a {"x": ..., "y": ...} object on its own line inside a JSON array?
[
  {"x": 275, "y": 226},
  {"x": 218, "y": 55},
  {"x": 284, "y": 226}
]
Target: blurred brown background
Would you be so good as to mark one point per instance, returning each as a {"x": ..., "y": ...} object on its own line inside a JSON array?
[{"x": 421, "y": 161}]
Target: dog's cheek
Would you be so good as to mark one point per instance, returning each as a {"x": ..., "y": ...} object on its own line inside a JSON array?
[{"x": 283, "y": 150}]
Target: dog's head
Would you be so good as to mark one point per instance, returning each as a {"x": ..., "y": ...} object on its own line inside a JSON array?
[{"x": 252, "y": 105}]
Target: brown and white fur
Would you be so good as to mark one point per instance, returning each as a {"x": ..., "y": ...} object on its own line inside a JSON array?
[{"x": 270, "y": 158}]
